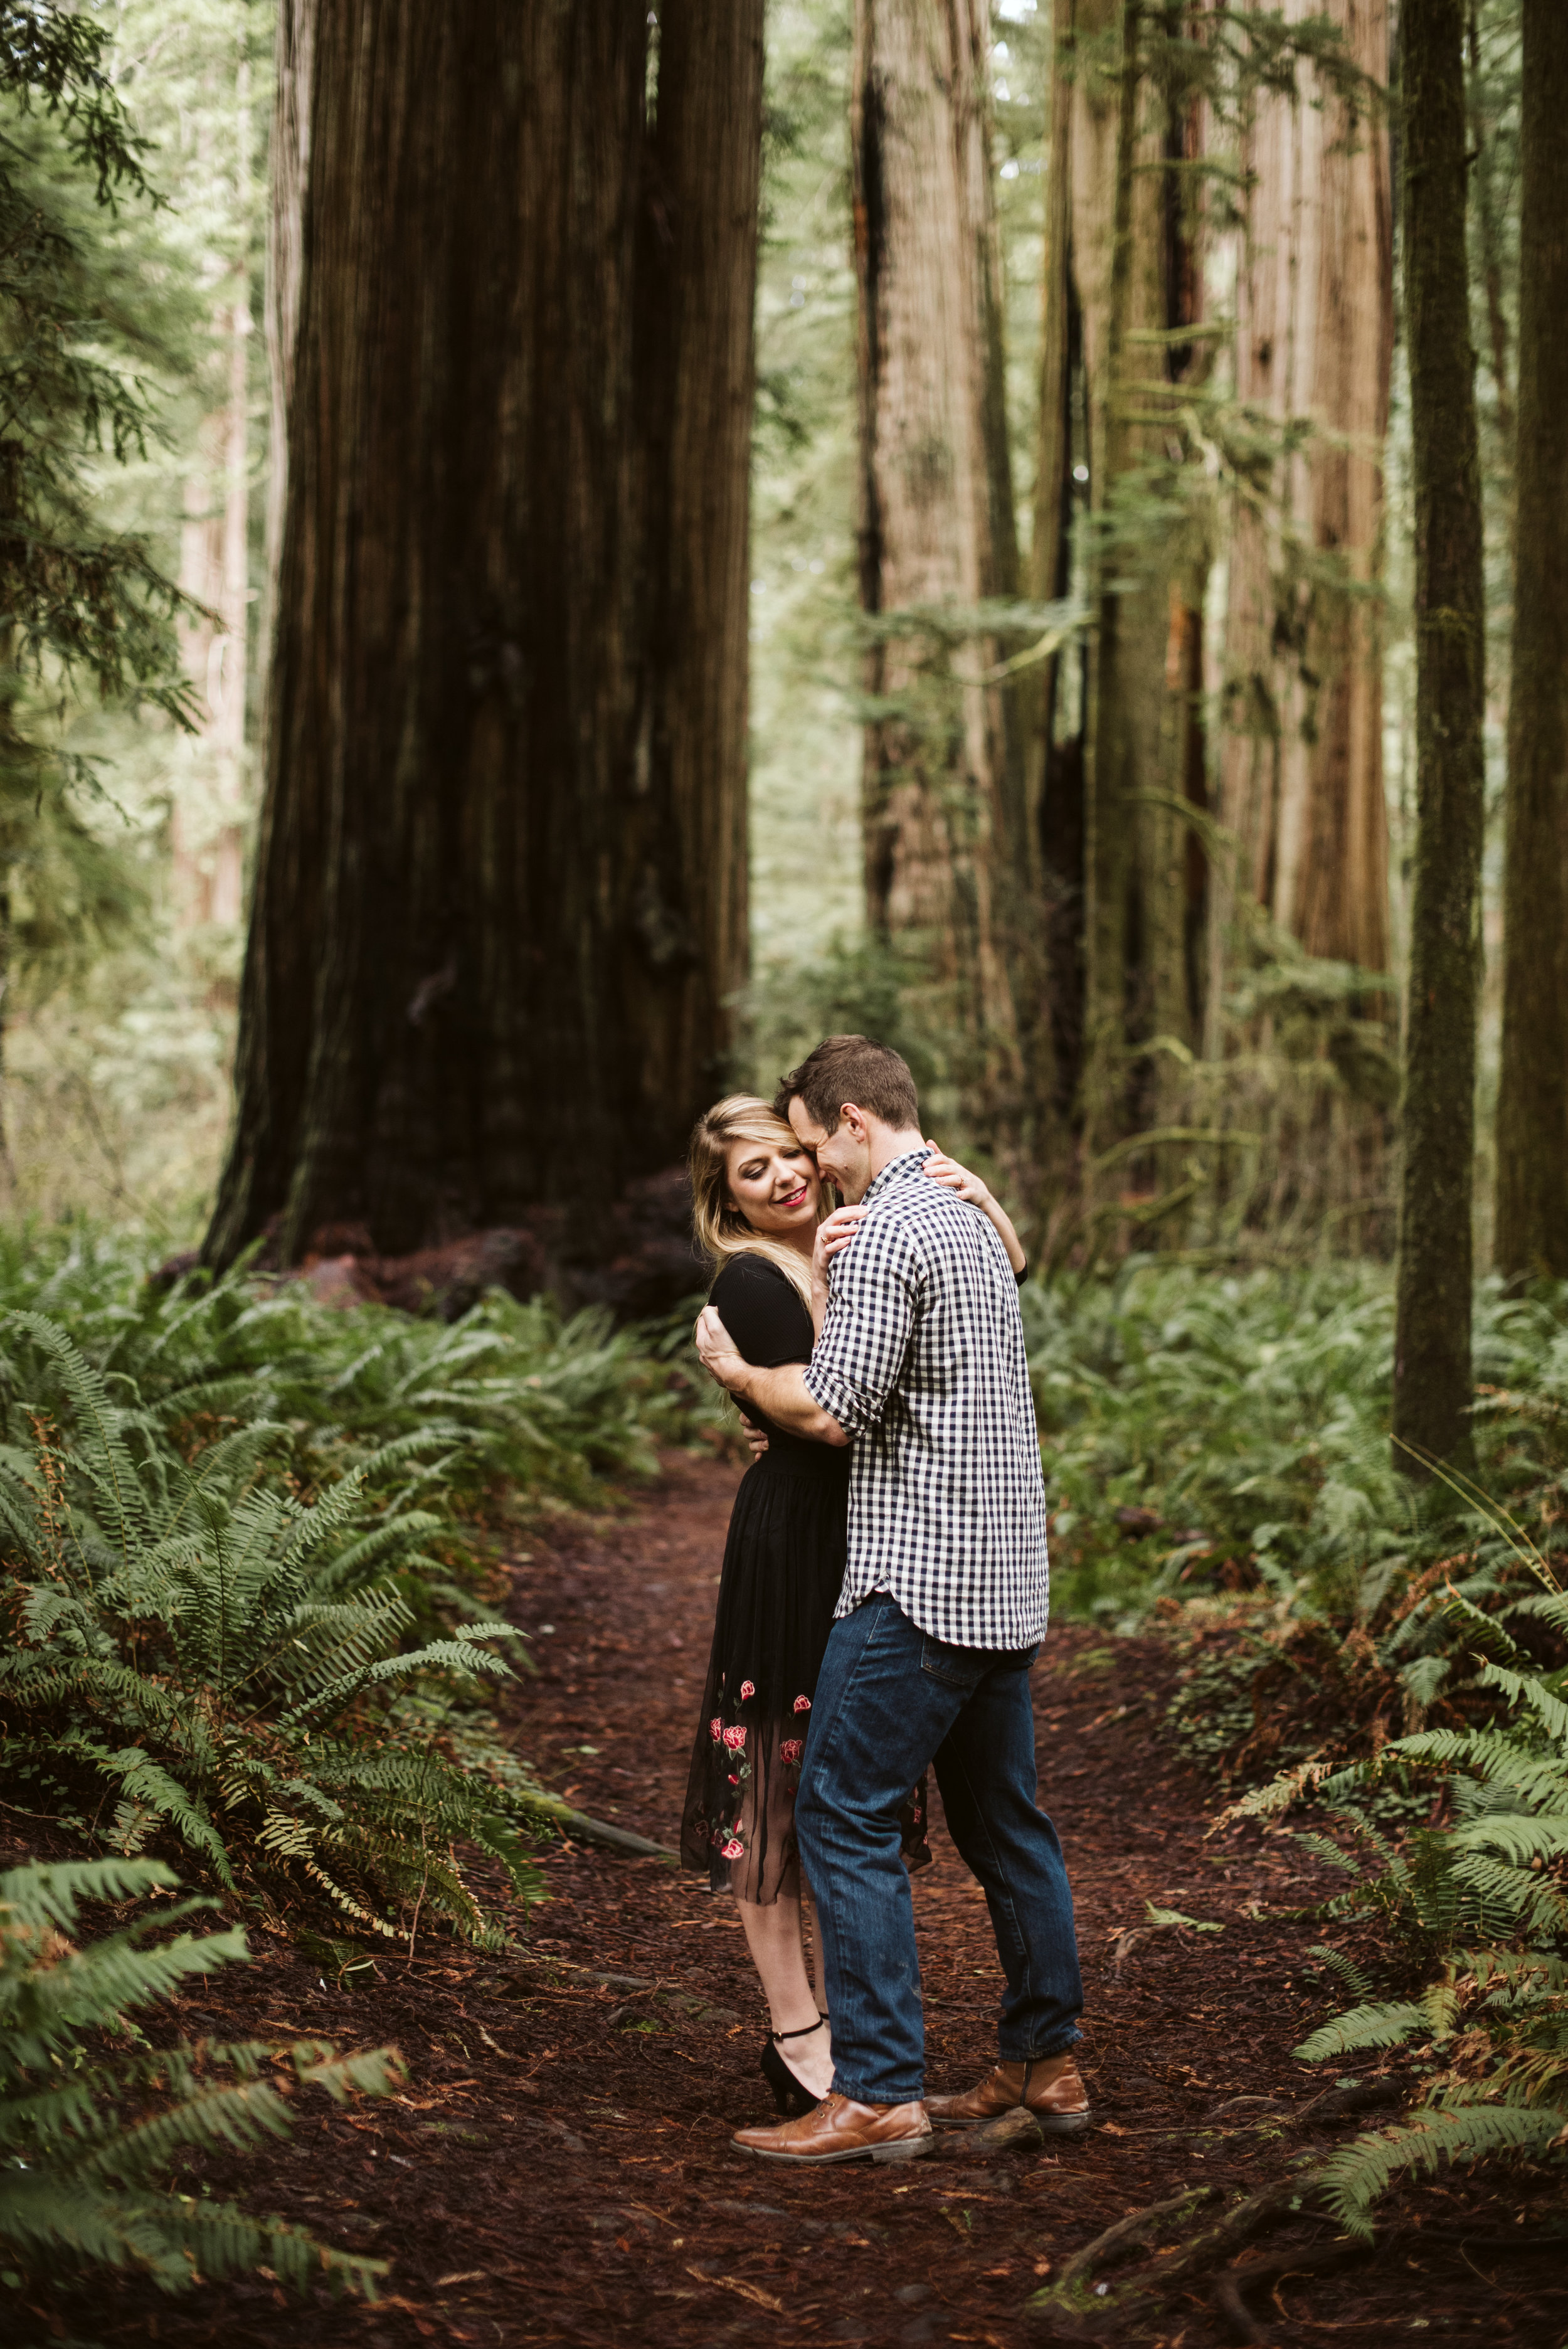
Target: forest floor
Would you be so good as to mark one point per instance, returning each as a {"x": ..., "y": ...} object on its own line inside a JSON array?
[{"x": 557, "y": 2165}]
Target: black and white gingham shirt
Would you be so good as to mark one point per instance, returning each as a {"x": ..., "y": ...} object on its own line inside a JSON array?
[{"x": 922, "y": 1361}]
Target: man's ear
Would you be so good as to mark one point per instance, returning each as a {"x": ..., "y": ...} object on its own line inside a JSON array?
[{"x": 855, "y": 1119}]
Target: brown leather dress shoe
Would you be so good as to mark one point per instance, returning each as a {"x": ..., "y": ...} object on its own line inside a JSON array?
[
  {"x": 842, "y": 2131},
  {"x": 1050, "y": 2088}
]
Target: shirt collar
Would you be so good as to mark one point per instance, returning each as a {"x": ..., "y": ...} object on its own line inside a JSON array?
[{"x": 894, "y": 1172}]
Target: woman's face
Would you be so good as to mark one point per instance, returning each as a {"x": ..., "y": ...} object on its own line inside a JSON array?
[{"x": 775, "y": 1185}]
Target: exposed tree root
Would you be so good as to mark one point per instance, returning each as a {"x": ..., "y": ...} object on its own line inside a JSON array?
[
  {"x": 1314, "y": 2260},
  {"x": 583, "y": 1829},
  {"x": 1075, "y": 2305}
]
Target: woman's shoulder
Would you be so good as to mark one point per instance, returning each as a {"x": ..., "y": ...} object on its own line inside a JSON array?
[{"x": 747, "y": 1274}]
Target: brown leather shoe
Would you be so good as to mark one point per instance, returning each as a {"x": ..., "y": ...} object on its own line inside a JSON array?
[
  {"x": 1050, "y": 2088},
  {"x": 842, "y": 2131}
]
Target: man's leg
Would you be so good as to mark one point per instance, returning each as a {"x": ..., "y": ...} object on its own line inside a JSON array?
[
  {"x": 877, "y": 1718},
  {"x": 986, "y": 1769}
]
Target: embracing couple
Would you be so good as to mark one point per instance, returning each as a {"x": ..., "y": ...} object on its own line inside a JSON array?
[{"x": 884, "y": 1596}]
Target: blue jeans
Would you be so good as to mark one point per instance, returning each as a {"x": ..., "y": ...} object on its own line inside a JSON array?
[{"x": 890, "y": 1699}]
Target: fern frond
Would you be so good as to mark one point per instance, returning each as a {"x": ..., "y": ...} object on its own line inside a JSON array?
[{"x": 1354, "y": 2177}]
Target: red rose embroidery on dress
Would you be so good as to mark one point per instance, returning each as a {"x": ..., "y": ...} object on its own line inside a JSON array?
[
  {"x": 715, "y": 1728},
  {"x": 802, "y": 1704},
  {"x": 747, "y": 1688},
  {"x": 792, "y": 1749},
  {"x": 733, "y": 1850},
  {"x": 734, "y": 1736}
]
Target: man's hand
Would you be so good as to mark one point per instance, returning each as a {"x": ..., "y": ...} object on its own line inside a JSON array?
[
  {"x": 755, "y": 1442},
  {"x": 953, "y": 1178},
  {"x": 715, "y": 1349}
]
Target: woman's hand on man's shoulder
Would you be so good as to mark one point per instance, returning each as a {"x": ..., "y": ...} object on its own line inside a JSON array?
[
  {"x": 953, "y": 1178},
  {"x": 834, "y": 1234}
]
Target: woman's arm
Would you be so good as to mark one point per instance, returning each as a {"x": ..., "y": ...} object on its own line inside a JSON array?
[
  {"x": 779, "y": 1394},
  {"x": 953, "y": 1178},
  {"x": 835, "y": 1231}
]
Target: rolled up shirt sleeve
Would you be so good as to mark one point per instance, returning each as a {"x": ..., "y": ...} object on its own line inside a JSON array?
[{"x": 874, "y": 1305}]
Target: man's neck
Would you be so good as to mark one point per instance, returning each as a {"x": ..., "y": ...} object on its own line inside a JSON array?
[{"x": 887, "y": 1145}]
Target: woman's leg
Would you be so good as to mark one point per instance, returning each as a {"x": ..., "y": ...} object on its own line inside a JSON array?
[{"x": 773, "y": 1937}]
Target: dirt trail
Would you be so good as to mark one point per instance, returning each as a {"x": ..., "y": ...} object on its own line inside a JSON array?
[{"x": 557, "y": 2168}]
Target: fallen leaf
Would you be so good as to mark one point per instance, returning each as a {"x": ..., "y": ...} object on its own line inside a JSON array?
[{"x": 468, "y": 2275}]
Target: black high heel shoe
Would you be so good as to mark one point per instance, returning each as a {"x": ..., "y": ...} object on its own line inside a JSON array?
[{"x": 789, "y": 2098}]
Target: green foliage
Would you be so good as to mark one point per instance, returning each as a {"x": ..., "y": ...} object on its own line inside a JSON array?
[
  {"x": 243, "y": 1604},
  {"x": 522, "y": 1400},
  {"x": 1232, "y": 1430},
  {"x": 82, "y": 608},
  {"x": 93, "y": 2117},
  {"x": 1481, "y": 1886},
  {"x": 226, "y": 1660}
]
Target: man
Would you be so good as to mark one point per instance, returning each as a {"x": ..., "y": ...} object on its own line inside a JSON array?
[{"x": 921, "y": 1365}]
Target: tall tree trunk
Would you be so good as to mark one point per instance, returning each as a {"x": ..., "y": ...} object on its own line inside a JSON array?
[
  {"x": 949, "y": 866},
  {"x": 1303, "y": 764},
  {"x": 1120, "y": 284},
  {"x": 1432, "y": 1335},
  {"x": 215, "y": 569},
  {"x": 1532, "y": 1092},
  {"x": 1055, "y": 705},
  {"x": 500, "y": 881}
]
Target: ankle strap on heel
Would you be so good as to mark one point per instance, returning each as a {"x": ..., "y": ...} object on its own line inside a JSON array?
[{"x": 804, "y": 2033}]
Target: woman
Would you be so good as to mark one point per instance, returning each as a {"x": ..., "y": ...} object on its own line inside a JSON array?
[{"x": 759, "y": 1212}]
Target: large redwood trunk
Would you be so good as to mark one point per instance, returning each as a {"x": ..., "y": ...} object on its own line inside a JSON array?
[
  {"x": 1432, "y": 1375},
  {"x": 1303, "y": 764},
  {"x": 1118, "y": 753},
  {"x": 1532, "y": 1090},
  {"x": 500, "y": 881},
  {"x": 948, "y": 863}
]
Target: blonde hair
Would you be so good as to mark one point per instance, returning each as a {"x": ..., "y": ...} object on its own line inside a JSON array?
[{"x": 721, "y": 1230}]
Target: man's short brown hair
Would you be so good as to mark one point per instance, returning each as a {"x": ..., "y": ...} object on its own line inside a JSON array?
[{"x": 851, "y": 1069}]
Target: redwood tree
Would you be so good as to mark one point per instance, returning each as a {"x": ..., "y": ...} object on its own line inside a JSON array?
[
  {"x": 1432, "y": 1333},
  {"x": 1303, "y": 783},
  {"x": 947, "y": 858},
  {"x": 1532, "y": 1090},
  {"x": 500, "y": 894},
  {"x": 1118, "y": 751}
]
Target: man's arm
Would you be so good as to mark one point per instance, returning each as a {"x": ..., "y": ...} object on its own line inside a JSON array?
[
  {"x": 779, "y": 1394},
  {"x": 860, "y": 1357}
]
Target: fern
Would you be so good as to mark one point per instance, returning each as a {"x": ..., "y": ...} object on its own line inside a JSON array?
[
  {"x": 1496, "y": 1877},
  {"x": 234, "y": 1666},
  {"x": 86, "y": 2145}
]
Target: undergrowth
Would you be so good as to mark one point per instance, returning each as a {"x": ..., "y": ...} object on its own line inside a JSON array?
[
  {"x": 94, "y": 2117},
  {"x": 246, "y": 1547},
  {"x": 547, "y": 1410},
  {"x": 1474, "y": 1896},
  {"x": 1218, "y": 1456}
]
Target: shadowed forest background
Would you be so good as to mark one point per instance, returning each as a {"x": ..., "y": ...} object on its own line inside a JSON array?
[{"x": 552, "y": 556}]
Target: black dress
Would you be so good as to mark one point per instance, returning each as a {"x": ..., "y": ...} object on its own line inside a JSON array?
[{"x": 783, "y": 1570}]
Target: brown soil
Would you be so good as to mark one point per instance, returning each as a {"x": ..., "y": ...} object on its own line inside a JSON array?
[{"x": 557, "y": 2166}]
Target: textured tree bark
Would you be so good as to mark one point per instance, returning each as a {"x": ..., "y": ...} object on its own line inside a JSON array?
[
  {"x": 1432, "y": 1334},
  {"x": 1533, "y": 1092},
  {"x": 501, "y": 880},
  {"x": 1301, "y": 767},
  {"x": 1119, "y": 282},
  {"x": 288, "y": 163},
  {"x": 1054, "y": 706},
  {"x": 949, "y": 861},
  {"x": 215, "y": 569}
]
